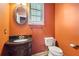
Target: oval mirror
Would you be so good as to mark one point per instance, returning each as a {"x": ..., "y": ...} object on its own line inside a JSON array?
[{"x": 21, "y": 15}]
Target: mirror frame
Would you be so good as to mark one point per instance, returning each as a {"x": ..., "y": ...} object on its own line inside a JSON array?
[{"x": 26, "y": 13}]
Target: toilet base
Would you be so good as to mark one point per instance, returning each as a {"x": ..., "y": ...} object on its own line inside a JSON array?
[{"x": 54, "y": 51}]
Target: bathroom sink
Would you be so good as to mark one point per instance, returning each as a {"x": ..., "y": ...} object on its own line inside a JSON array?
[{"x": 20, "y": 40}]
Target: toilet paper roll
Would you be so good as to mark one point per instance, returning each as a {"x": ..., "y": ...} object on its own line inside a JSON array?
[{"x": 72, "y": 45}]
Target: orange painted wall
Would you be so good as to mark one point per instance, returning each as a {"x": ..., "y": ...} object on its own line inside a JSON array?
[
  {"x": 38, "y": 34},
  {"x": 4, "y": 24},
  {"x": 67, "y": 27}
]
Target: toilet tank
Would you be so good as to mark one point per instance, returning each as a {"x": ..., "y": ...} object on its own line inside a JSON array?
[{"x": 49, "y": 41}]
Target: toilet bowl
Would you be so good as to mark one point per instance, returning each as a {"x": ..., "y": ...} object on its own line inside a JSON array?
[
  {"x": 52, "y": 49},
  {"x": 55, "y": 51}
]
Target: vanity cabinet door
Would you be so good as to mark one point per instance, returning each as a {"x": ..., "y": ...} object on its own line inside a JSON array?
[{"x": 18, "y": 49}]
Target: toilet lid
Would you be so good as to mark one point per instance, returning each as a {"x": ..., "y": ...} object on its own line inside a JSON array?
[{"x": 55, "y": 49}]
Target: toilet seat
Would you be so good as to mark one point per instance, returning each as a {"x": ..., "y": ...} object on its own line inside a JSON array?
[{"x": 55, "y": 51}]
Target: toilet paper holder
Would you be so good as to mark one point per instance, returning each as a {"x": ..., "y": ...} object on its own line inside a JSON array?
[{"x": 76, "y": 46}]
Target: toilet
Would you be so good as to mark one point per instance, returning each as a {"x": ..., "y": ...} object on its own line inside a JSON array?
[{"x": 52, "y": 49}]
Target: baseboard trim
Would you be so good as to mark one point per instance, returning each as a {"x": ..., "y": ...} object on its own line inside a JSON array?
[{"x": 44, "y": 53}]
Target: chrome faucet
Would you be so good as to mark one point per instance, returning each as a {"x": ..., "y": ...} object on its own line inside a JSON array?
[{"x": 21, "y": 37}]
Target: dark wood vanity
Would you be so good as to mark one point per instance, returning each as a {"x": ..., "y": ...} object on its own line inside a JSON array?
[{"x": 18, "y": 48}]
